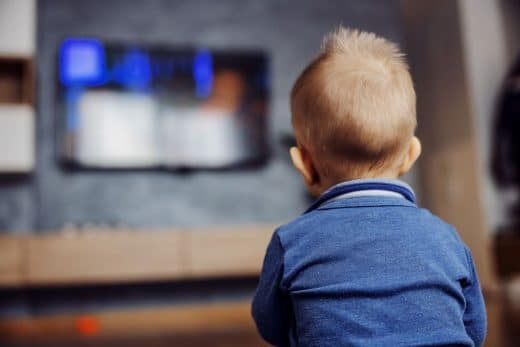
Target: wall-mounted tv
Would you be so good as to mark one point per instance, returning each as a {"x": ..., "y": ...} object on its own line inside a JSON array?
[{"x": 124, "y": 106}]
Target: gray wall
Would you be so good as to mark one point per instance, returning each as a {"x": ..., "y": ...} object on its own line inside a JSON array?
[{"x": 289, "y": 31}]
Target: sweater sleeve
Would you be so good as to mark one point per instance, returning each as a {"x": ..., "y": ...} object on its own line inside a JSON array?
[
  {"x": 475, "y": 313},
  {"x": 271, "y": 306}
]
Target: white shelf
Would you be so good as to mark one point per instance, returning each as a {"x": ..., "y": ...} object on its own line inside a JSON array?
[
  {"x": 17, "y": 129},
  {"x": 17, "y": 27}
]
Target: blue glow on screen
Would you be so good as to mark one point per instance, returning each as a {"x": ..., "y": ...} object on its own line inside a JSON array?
[
  {"x": 203, "y": 73},
  {"x": 134, "y": 70},
  {"x": 82, "y": 62}
]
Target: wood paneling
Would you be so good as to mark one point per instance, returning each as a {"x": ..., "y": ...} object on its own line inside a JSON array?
[{"x": 450, "y": 181}]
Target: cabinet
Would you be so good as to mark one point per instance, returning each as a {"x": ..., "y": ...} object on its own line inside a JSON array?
[{"x": 17, "y": 116}]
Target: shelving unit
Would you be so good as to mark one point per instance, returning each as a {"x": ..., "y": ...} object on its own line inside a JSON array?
[{"x": 17, "y": 116}]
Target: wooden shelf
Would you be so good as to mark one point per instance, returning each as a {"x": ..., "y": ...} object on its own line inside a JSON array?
[
  {"x": 16, "y": 80},
  {"x": 112, "y": 256}
]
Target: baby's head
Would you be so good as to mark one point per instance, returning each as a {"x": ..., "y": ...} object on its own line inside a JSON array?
[{"x": 353, "y": 112}]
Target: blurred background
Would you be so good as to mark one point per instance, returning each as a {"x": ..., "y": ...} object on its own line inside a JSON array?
[{"x": 144, "y": 156}]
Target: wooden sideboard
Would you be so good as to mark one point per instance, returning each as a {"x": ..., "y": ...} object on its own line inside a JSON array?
[{"x": 124, "y": 256}]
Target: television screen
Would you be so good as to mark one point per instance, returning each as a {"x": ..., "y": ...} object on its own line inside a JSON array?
[{"x": 135, "y": 106}]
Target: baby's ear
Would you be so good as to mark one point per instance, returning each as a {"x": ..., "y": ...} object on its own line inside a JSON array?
[
  {"x": 413, "y": 152},
  {"x": 301, "y": 161}
]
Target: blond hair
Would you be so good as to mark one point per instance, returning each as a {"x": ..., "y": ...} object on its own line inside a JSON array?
[{"x": 353, "y": 107}]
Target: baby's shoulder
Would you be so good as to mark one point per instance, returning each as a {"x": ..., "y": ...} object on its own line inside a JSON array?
[
  {"x": 324, "y": 224},
  {"x": 307, "y": 227}
]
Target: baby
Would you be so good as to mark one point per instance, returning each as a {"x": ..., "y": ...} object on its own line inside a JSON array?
[{"x": 363, "y": 266}]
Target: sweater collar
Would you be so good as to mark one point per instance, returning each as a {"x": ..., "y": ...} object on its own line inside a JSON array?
[{"x": 365, "y": 187}]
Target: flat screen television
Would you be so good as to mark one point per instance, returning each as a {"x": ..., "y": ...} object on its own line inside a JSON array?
[{"x": 124, "y": 106}]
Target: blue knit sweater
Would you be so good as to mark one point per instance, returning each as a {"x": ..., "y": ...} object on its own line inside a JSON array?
[{"x": 366, "y": 267}]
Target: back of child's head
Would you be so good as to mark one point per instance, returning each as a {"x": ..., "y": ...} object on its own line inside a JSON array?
[{"x": 353, "y": 107}]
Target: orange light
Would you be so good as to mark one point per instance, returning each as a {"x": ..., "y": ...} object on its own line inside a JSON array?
[{"x": 87, "y": 325}]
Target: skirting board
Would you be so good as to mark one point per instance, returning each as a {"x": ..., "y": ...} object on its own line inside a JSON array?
[{"x": 113, "y": 256}]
